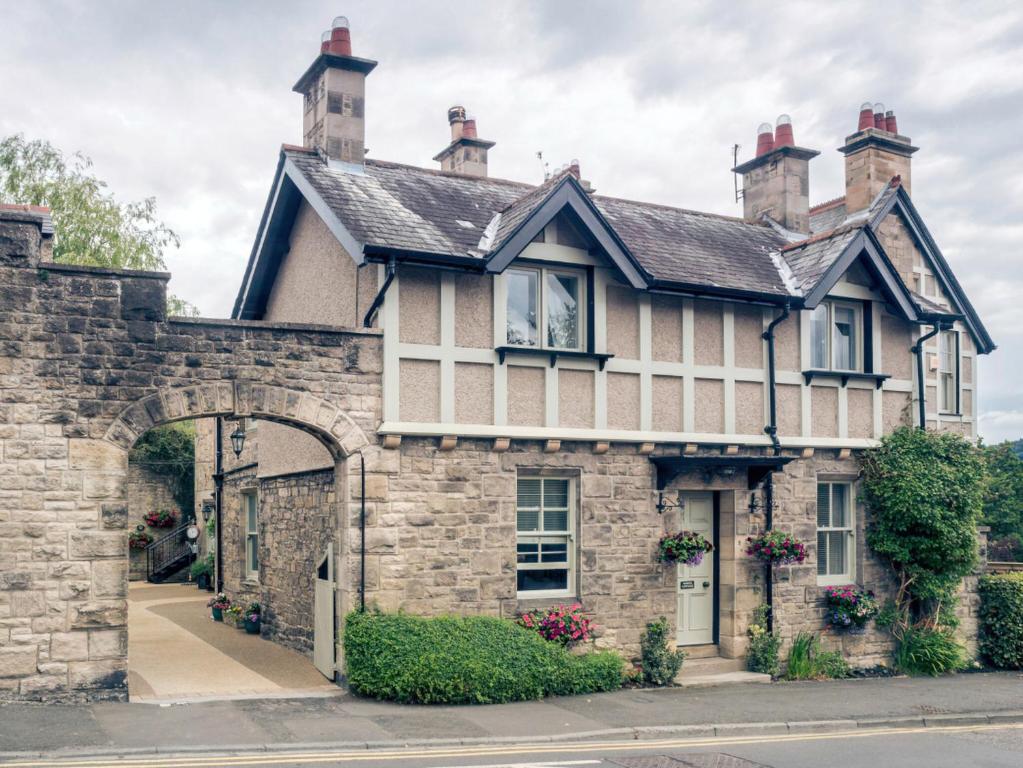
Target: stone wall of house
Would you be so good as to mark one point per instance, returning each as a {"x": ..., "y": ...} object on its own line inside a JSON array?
[
  {"x": 89, "y": 363},
  {"x": 237, "y": 583},
  {"x": 147, "y": 492},
  {"x": 298, "y": 518}
]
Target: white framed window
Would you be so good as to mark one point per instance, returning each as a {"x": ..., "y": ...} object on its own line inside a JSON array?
[
  {"x": 948, "y": 372},
  {"x": 250, "y": 511},
  {"x": 545, "y": 307},
  {"x": 545, "y": 524},
  {"x": 836, "y": 534},
  {"x": 836, "y": 336}
]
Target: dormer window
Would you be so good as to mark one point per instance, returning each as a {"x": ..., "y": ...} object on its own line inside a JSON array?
[
  {"x": 544, "y": 308},
  {"x": 836, "y": 336}
]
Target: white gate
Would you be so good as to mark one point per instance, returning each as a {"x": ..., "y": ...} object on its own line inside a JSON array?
[{"x": 323, "y": 615}]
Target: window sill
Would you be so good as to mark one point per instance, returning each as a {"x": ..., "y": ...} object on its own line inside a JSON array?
[
  {"x": 553, "y": 354},
  {"x": 845, "y": 376},
  {"x": 835, "y": 581},
  {"x": 543, "y": 599}
]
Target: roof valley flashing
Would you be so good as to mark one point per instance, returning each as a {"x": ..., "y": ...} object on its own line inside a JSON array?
[{"x": 380, "y": 210}]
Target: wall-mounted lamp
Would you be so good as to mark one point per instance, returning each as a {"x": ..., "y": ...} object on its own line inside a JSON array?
[
  {"x": 663, "y": 506},
  {"x": 238, "y": 440}
]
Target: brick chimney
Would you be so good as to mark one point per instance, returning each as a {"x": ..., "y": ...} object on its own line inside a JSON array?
[
  {"x": 776, "y": 182},
  {"x": 334, "y": 88},
  {"x": 873, "y": 155},
  {"x": 467, "y": 153}
]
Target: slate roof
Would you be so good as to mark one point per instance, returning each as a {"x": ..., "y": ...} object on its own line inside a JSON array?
[
  {"x": 931, "y": 307},
  {"x": 401, "y": 207},
  {"x": 810, "y": 259},
  {"x": 827, "y": 216}
]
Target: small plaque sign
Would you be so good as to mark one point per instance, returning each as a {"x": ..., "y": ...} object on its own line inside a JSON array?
[{"x": 687, "y": 585}]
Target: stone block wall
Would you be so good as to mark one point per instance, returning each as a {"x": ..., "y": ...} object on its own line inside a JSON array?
[{"x": 147, "y": 492}]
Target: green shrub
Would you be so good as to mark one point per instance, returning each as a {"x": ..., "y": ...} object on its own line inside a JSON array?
[
  {"x": 465, "y": 659},
  {"x": 1001, "y": 619},
  {"x": 924, "y": 650},
  {"x": 925, "y": 491},
  {"x": 762, "y": 654},
  {"x": 807, "y": 661},
  {"x": 659, "y": 662}
]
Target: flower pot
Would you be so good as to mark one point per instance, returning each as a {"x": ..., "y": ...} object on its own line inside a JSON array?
[
  {"x": 252, "y": 627},
  {"x": 203, "y": 581},
  {"x": 218, "y": 614}
]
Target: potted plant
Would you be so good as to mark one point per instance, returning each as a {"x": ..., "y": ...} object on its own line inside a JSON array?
[
  {"x": 233, "y": 616},
  {"x": 252, "y": 619},
  {"x": 201, "y": 571},
  {"x": 139, "y": 539},
  {"x": 161, "y": 519},
  {"x": 850, "y": 608},
  {"x": 776, "y": 548},
  {"x": 217, "y": 605},
  {"x": 686, "y": 547}
]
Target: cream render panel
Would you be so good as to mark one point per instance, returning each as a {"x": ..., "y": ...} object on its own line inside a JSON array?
[
  {"x": 623, "y": 322},
  {"x": 419, "y": 299},
  {"x": 666, "y": 322},
  {"x": 576, "y": 398},
  {"x": 708, "y": 332}
]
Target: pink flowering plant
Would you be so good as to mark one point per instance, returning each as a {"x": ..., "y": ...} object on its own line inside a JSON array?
[
  {"x": 850, "y": 606},
  {"x": 776, "y": 547},
  {"x": 220, "y": 600},
  {"x": 686, "y": 547},
  {"x": 564, "y": 624}
]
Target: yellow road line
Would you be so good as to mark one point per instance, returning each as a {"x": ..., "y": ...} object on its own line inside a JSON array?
[{"x": 287, "y": 758}]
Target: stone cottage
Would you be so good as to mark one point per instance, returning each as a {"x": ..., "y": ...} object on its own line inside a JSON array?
[{"x": 567, "y": 377}]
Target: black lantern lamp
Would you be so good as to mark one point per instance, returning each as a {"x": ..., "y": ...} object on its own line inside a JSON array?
[
  {"x": 207, "y": 510},
  {"x": 238, "y": 440},
  {"x": 663, "y": 505}
]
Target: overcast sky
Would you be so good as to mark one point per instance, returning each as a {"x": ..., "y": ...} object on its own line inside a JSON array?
[{"x": 189, "y": 101}]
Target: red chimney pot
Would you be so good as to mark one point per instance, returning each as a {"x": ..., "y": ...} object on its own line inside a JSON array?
[
  {"x": 783, "y": 136},
  {"x": 765, "y": 139},
  {"x": 469, "y": 128},
  {"x": 866, "y": 116},
  {"x": 340, "y": 38},
  {"x": 890, "y": 124},
  {"x": 879, "y": 115}
]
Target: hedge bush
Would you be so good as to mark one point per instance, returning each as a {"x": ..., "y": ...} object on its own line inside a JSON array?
[
  {"x": 465, "y": 660},
  {"x": 1001, "y": 619}
]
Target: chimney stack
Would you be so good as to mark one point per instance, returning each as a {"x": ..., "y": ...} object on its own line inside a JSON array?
[
  {"x": 874, "y": 155},
  {"x": 467, "y": 153},
  {"x": 776, "y": 182},
  {"x": 334, "y": 91}
]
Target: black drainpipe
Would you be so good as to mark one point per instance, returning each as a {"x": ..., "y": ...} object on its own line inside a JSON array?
[
  {"x": 218, "y": 495},
  {"x": 392, "y": 268},
  {"x": 772, "y": 431},
  {"x": 362, "y": 535},
  {"x": 772, "y": 428},
  {"x": 918, "y": 350}
]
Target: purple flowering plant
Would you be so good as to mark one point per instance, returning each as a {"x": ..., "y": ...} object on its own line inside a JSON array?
[
  {"x": 686, "y": 547},
  {"x": 850, "y": 606},
  {"x": 776, "y": 547}
]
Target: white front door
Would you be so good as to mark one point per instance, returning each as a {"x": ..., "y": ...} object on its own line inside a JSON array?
[
  {"x": 323, "y": 614},
  {"x": 696, "y": 582}
]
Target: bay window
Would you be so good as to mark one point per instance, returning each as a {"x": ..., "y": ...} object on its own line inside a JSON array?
[
  {"x": 835, "y": 534},
  {"x": 545, "y": 308},
  {"x": 836, "y": 336},
  {"x": 545, "y": 513}
]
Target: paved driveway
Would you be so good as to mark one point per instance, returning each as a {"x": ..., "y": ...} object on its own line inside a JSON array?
[{"x": 176, "y": 652}]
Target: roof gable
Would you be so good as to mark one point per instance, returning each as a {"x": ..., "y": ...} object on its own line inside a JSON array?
[
  {"x": 520, "y": 223},
  {"x": 898, "y": 202}
]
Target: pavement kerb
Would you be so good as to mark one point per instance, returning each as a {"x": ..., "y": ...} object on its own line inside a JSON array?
[{"x": 651, "y": 732}]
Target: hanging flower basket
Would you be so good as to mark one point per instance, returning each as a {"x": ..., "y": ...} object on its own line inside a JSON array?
[
  {"x": 161, "y": 519},
  {"x": 850, "y": 608},
  {"x": 139, "y": 540},
  {"x": 776, "y": 548},
  {"x": 686, "y": 547}
]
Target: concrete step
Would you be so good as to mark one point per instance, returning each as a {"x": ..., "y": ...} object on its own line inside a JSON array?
[
  {"x": 710, "y": 650},
  {"x": 714, "y": 665},
  {"x": 721, "y": 678}
]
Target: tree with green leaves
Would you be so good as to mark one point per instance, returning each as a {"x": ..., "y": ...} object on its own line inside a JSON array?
[
  {"x": 1003, "y": 500},
  {"x": 90, "y": 226}
]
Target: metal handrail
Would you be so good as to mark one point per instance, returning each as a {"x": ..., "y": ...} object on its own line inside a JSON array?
[{"x": 167, "y": 549}]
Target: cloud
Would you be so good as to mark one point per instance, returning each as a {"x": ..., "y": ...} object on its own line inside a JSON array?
[{"x": 189, "y": 101}]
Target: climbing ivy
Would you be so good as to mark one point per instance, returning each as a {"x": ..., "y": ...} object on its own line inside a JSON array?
[{"x": 925, "y": 491}]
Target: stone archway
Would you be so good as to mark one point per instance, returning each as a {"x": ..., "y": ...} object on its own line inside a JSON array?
[{"x": 90, "y": 362}]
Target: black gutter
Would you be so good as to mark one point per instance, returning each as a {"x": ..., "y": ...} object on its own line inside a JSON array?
[
  {"x": 918, "y": 350},
  {"x": 697, "y": 291},
  {"x": 218, "y": 495},
  {"x": 362, "y": 535},
  {"x": 392, "y": 269},
  {"x": 772, "y": 428}
]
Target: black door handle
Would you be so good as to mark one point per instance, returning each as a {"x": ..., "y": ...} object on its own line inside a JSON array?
[{"x": 706, "y": 584}]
